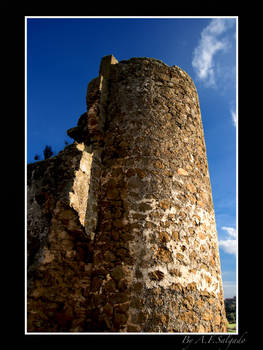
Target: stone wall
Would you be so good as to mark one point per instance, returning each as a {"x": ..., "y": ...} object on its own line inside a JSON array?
[
  {"x": 128, "y": 215},
  {"x": 59, "y": 256}
]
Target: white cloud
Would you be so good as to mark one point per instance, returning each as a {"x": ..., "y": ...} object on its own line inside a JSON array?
[
  {"x": 229, "y": 245},
  {"x": 209, "y": 45},
  {"x": 230, "y": 230},
  {"x": 234, "y": 117}
]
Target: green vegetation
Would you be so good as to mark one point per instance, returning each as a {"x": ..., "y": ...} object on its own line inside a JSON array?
[
  {"x": 231, "y": 327},
  {"x": 48, "y": 152},
  {"x": 230, "y": 307}
]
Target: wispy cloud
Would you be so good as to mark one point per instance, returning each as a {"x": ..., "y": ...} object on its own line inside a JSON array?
[
  {"x": 229, "y": 245},
  {"x": 213, "y": 40},
  {"x": 230, "y": 230}
]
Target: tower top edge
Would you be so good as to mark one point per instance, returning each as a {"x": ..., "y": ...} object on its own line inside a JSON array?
[{"x": 110, "y": 59}]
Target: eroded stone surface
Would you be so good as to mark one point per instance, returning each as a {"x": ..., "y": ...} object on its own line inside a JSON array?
[{"x": 59, "y": 251}]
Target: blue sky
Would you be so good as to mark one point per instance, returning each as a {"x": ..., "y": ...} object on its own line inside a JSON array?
[{"x": 63, "y": 55}]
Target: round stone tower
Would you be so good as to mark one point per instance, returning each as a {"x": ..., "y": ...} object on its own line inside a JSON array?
[
  {"x": 121, "y": 226},
  {"x": 156, "y": 264}
]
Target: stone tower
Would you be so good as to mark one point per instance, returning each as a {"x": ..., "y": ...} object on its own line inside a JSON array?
[{"x": 121, "y": 226}]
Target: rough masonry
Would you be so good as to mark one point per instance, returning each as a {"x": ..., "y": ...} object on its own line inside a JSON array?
[{"x": 121, "y": 226}]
